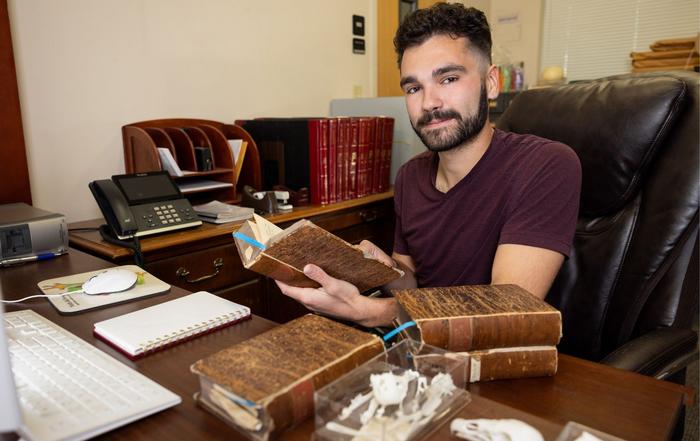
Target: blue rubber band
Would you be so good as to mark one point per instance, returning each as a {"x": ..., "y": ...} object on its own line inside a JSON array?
[
  {"x": 249, "y": 240},
  {"x": 392, "y": 333}
]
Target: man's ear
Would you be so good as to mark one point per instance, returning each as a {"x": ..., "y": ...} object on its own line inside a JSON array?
[{"x": 492, "y": 82}]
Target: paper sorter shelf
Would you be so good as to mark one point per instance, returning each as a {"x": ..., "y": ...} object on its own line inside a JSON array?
[{"x": 202, "y": 185}]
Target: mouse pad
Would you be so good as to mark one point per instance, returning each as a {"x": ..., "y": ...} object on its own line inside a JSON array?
[{"x": 146, "y": 285}]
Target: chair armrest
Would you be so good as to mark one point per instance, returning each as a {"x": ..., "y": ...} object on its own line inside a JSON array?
[{"x": 659, "y": 353}]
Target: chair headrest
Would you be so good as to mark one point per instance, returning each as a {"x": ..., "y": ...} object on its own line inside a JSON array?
[{"x": 616, "y": 126}]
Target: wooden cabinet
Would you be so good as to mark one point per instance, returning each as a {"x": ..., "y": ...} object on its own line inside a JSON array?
[{"x": 205, "y": 258}]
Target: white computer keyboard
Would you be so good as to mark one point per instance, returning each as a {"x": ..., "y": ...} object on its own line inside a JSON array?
[{"x": 68, "y": 389}]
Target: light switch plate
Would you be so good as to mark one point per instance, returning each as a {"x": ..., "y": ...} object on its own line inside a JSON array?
[{"x": 358, "y": 25}]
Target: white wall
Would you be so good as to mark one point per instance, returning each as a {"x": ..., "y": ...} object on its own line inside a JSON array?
[
  {"x": 516, "y": 28},
  {"x": 87, "y": 67}
]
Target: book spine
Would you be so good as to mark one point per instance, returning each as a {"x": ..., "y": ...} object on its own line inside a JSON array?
[
  {"x": 387, "y": 143},
  {"x": 363, "y": 149},
  {"x": 332, "y": 160},
  {"x": 324, "y": 161},
  {"x": 511, "y": 363},
  {"x": 343, "y": 157},
  {"x": 378, "y": 148},
  {"x": 371, "y": 153},
  {"x": 492, "y": 331},
  {"x": 352, "y": 161},
  {"x": 315, "y": 164},
  {"x": 297, "y": 403}
]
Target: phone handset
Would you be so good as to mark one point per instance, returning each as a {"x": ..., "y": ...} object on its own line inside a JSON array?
[{"x": 114, "y": 207}]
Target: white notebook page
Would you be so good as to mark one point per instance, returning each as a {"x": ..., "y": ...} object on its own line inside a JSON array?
[{"x": 149, "y": 328}]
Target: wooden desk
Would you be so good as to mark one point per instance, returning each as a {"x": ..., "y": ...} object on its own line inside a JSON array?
[
  {"x": 627, "y": 405},
  {"x": 370, "y": 217}
]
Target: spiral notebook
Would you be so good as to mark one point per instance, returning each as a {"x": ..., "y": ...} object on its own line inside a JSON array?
[{"x": 150, "y": 329}]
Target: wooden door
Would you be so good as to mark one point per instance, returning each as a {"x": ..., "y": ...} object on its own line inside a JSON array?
[
  {"x": 387, "y": 23},
  {"x": 14, "y": 174}
]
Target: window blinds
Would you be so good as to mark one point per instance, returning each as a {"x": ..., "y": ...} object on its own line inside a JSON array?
[{"x": 593, "y": 38}]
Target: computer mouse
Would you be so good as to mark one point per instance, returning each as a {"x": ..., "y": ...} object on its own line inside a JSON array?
[{"x": 110, "y": 281}]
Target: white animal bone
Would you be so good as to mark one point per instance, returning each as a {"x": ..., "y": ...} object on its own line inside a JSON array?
[
  {"x": 395, "y": 424},
  {"x": 494, "y": 430},
  {"x": 389, "y": 389},
  {"x": 356, "y": 402}
]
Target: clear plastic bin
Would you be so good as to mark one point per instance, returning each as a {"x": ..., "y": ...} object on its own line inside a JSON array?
[
  {"x": 574, "y": 431},
  {"x": 351, "y": 409}
]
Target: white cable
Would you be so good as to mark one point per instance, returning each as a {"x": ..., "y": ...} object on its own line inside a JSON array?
[{"x": 41, "y": 295}]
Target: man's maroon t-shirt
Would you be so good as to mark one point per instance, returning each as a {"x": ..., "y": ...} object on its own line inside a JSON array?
[{"x": 524, "y": 190}]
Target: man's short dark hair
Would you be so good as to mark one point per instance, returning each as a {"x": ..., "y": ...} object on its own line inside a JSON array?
[{"x": 451, "y": 19}]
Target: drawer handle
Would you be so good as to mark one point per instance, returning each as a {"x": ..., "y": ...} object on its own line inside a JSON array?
[
  {"x": 369, "y": 215},
  {"x": 184, "y": 272}
]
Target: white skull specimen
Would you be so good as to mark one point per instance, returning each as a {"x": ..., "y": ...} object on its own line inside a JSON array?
[{"x": 494, "y": 430}]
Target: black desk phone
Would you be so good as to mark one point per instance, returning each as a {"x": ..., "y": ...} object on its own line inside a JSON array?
[{"x": 140, "y": 204}]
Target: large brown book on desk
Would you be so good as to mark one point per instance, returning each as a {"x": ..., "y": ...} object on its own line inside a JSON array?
[
  {"x": 266, "y": 384},
  {"x": 286, "y": 252},
  {"x": 475, "y": 317},
  {"x": 504, "y": 330}
]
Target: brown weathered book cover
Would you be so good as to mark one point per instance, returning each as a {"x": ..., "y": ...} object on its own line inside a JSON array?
[
  {"x": 505, "y": 363},
  {"x": 477, "y": 317},
  {"x": 288, "y": 252},
  {"x": 266, "y": 384}
]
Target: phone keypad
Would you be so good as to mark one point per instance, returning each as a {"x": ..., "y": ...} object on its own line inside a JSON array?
[
  {"x": 167, "y": 214},
  {"x": 158, "y": 216}
]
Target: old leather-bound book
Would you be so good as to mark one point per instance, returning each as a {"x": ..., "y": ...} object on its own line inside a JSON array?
[
  {"x": 266, "y": 384},
  {"x": 282, "y": 255},
  {"x": 505, "y": 363},
  {"x": 505, "y": 331},
  {"x": 476, "y": 317}
]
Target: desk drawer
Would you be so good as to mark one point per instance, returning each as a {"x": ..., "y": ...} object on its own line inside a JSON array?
[
  {"x": 250, "y": 294},
  {"x": 209, "y": 269}
]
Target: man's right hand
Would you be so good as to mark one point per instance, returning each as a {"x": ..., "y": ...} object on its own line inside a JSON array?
[{"x": 338, "y": 298}]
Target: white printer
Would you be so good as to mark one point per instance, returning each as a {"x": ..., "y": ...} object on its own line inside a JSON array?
[{"x": 28, "y": 233}]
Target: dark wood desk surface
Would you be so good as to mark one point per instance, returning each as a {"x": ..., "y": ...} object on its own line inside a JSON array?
[{"x": 627, "y": 405}]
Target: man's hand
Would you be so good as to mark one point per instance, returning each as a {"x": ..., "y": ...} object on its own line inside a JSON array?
[
  {"x": 374, "y": 252},
  {"x": 399, "y": 261},
  {"x": 338, "y": 298}
]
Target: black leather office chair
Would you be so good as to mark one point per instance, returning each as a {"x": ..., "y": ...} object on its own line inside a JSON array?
[{"x": 629, "y": 291}]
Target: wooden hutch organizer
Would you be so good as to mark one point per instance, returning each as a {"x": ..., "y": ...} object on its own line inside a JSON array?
[{"x": 181, "y": 136}]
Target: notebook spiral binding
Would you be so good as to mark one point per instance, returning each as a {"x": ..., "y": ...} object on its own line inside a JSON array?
[{"x": 189, "y": 332}]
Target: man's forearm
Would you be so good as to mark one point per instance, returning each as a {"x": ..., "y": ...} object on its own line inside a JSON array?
[{"x": 379, "y": 312}]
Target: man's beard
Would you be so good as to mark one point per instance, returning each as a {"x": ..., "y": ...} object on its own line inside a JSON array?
[{"x": 447, "y": 138}]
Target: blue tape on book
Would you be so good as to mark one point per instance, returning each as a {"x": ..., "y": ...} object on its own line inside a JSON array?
[
  {"x": 390, "y": 334},
  {"x": 248, "y": 240}
]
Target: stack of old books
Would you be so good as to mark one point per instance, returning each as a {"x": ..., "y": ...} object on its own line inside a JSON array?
[
  {"x": 505, "y": 331},
  {"x": 671, "y": 54}
]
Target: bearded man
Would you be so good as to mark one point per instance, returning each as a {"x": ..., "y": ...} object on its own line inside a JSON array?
[{"x": 480, "y": 205}]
